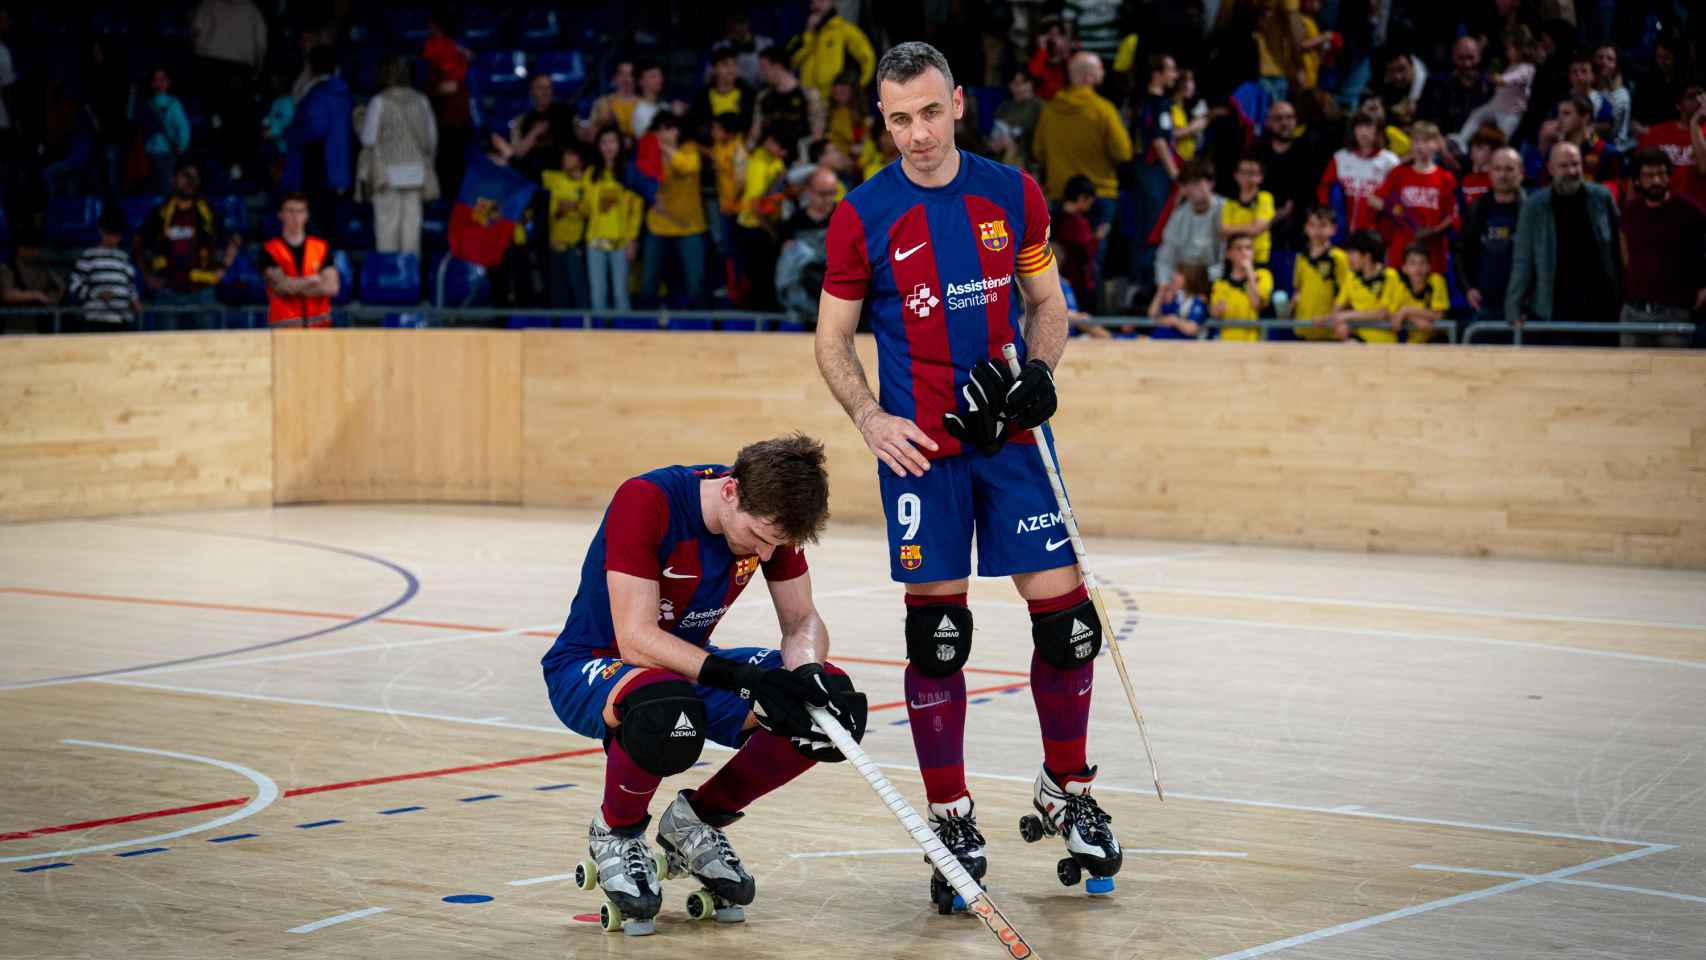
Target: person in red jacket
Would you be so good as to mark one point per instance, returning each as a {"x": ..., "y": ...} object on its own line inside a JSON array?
[
  {"x": 1420, "y": 199},
  {"x": 301, "y": 280}
]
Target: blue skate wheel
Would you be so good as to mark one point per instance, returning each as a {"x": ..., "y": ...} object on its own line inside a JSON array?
[
  {"x": 1099, "y": 886},
  {"x": 959, "y": 903}
]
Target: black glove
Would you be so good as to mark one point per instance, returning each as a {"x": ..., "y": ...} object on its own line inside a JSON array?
[
  {"x": 984, "y": 424},
  {"x": 778, "y": 696},
  {"x": 847, "y": 705},
  {"x": 1031, "y": 400}
]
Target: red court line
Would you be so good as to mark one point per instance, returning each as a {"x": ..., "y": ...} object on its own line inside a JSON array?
[{"x": 298, "y": 792}]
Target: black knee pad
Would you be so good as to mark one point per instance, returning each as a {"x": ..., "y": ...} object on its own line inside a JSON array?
[
  {"x": 1070, "y": 638},
  {"x": 662, "y": 726},
  {"x": 938, "y": 638}
]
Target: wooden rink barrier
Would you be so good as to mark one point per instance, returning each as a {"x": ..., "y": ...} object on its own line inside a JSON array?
[{"x": 1587, "y": 455}]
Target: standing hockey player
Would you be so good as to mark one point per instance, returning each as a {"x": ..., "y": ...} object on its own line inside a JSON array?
[
  {"x": 931, "y": 248},
  {"x": 634, "y": 667}
]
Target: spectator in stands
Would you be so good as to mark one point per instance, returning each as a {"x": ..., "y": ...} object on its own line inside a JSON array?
[
  {"x": 1355, "y": 173},
  {"x": 1251, "y": 212},
  {"x": 1489, "y": 237},
  {"x": 613, "y": 223},
  {"x": 300, "y": 278},
  {"x": 1291, "y": 161},
  {"x": 849, "y": 120},
  {"x": 185, "y": 258},
  {"x": 280, "y": 110},
  {"x": 784, "y": 103},
  {"x": 726, "y": 93},
  {"x": 1192, "y": 234},
  {"x": 1279, "y": 34},
  {"x": 615, "y": 108},
  {"x": 1396, "y": 138},
  {"x": 1581, "y": 85},
  {"x": 760, "y": 209},
  {"x": 804, "y": 258},
  {"x": 1048, "y": 65},
  {"x": 738, "y": 35},
  {"x": 1072, "y": 230},
  {"x": 728, "y": 162},
  {"x": 537, "y": 136},
  {"x": 1474, "y": 184},
  {"x": 1662, "y": 86},
  {"x": 1016, "y": 121},
  {"x": 1450, "y": 97},
  {"x": 1080, "y": 133},
  {"x": 1157, "y": 158},
  {"x": 1684, "y": 141},
  {"x": 1319, "y": 273},
  {"x": 447, "y": 85},
  {"x": 569, "y": 192},
  {"x": 1504, "y": 109},
  {"x": 1420, "y": 199},
  {"x": 1566, "y": 264},
  {"x": 27, "y": 279},
  {"x": 1243, "y": 291},
  {"x": 829, "y": 45},
  {"x": 104, "y": 282},
  {"x": 1601, "y": 162},
  {"x": 1608, "y": 83},
  {"x": 1180, "y": 306},
  {"x": 1664, "y": 237},
  {"x": 231, "y": 50},
  {"x": 165, "y": 130},
  {"x": 1403, "y": 79},
  {"x": 1422, "y": 300},
  {"x": 399, "y": 140},
  {"x": 675, "y": 224},
  {"x": 650, "y": 102},
  {"x": 318, "y": 163},
  {"x": 1369, "y": 295}
]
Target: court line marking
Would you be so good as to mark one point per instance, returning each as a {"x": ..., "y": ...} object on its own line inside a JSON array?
[
  {"x": 340, "y": 918},
  {"x": 1432, "y": 905},
  {"x": 1620, "y": 887},
  {"x": 266, "y": 791},
  {"x": 493, "y": 633}
]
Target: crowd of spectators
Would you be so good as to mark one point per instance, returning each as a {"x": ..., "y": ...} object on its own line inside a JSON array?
[{"x": 1365, "y": 168}]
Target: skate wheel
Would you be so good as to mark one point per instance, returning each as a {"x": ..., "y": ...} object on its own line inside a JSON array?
[
  {"x": 609, "y": 918},
  {"x": 1099, "y": 886},
  {"x": 732, "y": 913},
  {"x": 1030, "y": 828},
  {"x": 942, "y": 896},
  {"x": 700, "y": 906},
  {"x": 661, "y": 861},
  {"x": 1069, "y": 872},
  {"x": 586, "y": 875}
]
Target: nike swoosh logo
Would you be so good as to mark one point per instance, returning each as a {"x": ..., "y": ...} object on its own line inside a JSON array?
[
  {"x": 1055, "y": 544},
  {"x": 899, "y": 255},
  {"x": 925, "y": 706},
  {"x": 670, "y": 573},
  {"x": 1085, "y": 690},
  {"x": 637, "y": 793}
]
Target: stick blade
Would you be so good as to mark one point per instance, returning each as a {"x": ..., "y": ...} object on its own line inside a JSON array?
[{"x": 997, "y": 922}]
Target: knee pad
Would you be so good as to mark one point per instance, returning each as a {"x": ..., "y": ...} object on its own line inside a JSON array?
[
  {"x": 938, "y": 638},
  {"x": 662, "y": 726},
  {"x": 1070, "y": 638},
  {"x": 850, "y": 708}
]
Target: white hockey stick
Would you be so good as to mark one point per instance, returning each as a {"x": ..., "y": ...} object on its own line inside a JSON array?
[
  {"x": 976, "y": 898},
  {"x": 1011, "y": 354}
]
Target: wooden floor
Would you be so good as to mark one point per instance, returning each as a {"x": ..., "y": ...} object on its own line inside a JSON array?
[{"x": 323, "y": 730}]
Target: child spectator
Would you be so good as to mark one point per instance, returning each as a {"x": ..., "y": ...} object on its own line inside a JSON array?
[
  {"x": 1421, "y": 300},
  {"x": 848, "y": 122},
  {"x": 1180, "y": 305},
  {"x": 760, "y": 212},
  {"x": 1073, "y": 232},
  {"x": 1370, "y": 292},
  {"x": 1420, "y": 198},
  {"x": 104, "y": 282},
  {"x": 1357, "y": 172},
  {"x": 1251, "y": 212},
  {"x": 1511, "y": 89},
  {"x": 613, "y": 224},
  {"x": 1479, "y": 180},
  {"x": 1243, "y": 290},
  {"x": 1322, "y": 270},
  {"x": 569, "y": 191}
]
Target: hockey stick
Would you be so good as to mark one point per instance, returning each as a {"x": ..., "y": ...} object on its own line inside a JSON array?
[
  {"x": 976, "y": 898},
  {"x": 1046, "y": 452}
]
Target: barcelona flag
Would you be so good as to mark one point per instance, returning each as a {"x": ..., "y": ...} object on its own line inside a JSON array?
[{"x": 483, "y": 221}]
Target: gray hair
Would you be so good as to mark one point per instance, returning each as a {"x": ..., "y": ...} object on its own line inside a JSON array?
[{"x": 904, "y": 61}]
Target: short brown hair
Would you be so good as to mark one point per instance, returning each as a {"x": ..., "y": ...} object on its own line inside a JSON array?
[
  {"x": 783, "y": 481},
  {"x": 295, "y": 197}
]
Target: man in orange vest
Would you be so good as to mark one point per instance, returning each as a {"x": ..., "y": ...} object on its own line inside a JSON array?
[{"x": 301, "y": 280}]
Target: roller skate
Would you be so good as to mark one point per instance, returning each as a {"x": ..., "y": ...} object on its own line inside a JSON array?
[
  {"x": 955, "y": 824},
  {"x": 1066, "y": 809},
  {"x": 623, "y": 866},
  {"x": 694, "y": 846}
]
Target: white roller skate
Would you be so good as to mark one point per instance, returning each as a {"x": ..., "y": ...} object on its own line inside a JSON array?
[
  {"x": 692, "y": 846},
  {"x": 955, "y": 824},
  {"x": 624, "y": 867},
  {"x": 1066, "y": 809}
]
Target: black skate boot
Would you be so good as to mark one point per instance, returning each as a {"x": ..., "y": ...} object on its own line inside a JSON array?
[
  {"x": 1066, "y": 809},
  {"x": 624, "y": 867},
  {"x": 955, "y": 824},
  {"x": 695, "y": 845}
]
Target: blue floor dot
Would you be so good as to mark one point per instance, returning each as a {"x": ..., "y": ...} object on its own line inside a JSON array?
[
  {"x": 981, "y": 700},
  {"x": 467, "y": 898}
]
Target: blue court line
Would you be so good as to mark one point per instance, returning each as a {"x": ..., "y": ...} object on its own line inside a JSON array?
[
  {"x": 555, "y": 786},
  {"x": 981, "y": 700},
  {"x": 138, "y": 853},
  {"x": 42, "y": 866},
  {"x": 317, "y": 823},
  {"x": 396, "y": 810},
  {"x": 483, "y": 796},
  {"x": 412, "y": 586},
  {"x": 234, "y": 836}
]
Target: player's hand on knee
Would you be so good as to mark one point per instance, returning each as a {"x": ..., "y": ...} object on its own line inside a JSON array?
[
  {"x": 1031, "y": 400},
  {"x": 895, "y": 441},
  {"x": 778, "y": 696},
  {"x": 984, "y": 422}
]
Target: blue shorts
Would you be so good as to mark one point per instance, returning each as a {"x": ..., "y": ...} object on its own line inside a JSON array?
[
  {"x": 580, "y": 688},
  {"x": 1005, "y": 497}
]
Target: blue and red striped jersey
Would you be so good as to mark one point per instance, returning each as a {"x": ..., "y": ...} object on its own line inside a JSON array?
[
  {"x": 655, "y": 528},
  {"x": 935, "y": 267}
]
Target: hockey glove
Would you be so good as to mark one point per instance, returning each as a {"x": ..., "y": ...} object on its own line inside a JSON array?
[
  {"x": 1031, "y": 400},
  {"x": 847, "y": 705},
  {"x": 777, "y": 695},
  {"x": 984, "y": 423}
]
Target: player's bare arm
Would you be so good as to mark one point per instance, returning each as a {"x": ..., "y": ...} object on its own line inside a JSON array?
[
  {"x": 892, "y": 439},
  {"x": 805, "y": 637},
  {"x": 634, "y": 614},
  {"x": 1045, "y": 315}
]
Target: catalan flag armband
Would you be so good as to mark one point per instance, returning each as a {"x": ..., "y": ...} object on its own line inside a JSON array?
[{"x": 1034, "y": 259}]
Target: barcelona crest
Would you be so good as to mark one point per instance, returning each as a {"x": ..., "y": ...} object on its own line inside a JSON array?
[
  {"x": 994, "y": 235},
  {"x": 912, "y": 554},
  {"x": 744, "y": 569}
]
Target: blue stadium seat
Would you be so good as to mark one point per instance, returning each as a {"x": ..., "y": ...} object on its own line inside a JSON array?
[
  {"x": 346, "y": 278},
  {"x": 540, "y": 30},
  {"x": 408, "y": 26},
  {"x": 391, "y": 279},
  {"x": 458, "y": 283},
  {"x": 242, "y": 284},
  {"x": 232, "y": 213},
  {"x": 566, "y": 67},
  {"x": 73, "y": 221},
  {"x": 137, "y": 209},
  {"x": 483, "y": 27},
  {"x": 500, "y": 72},
  {"x": 435, "y": 226},
  {"x": 354, "y": 227}
]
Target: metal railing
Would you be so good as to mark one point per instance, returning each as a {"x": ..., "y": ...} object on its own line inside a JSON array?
[{"x": 1516, "y": 330}]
